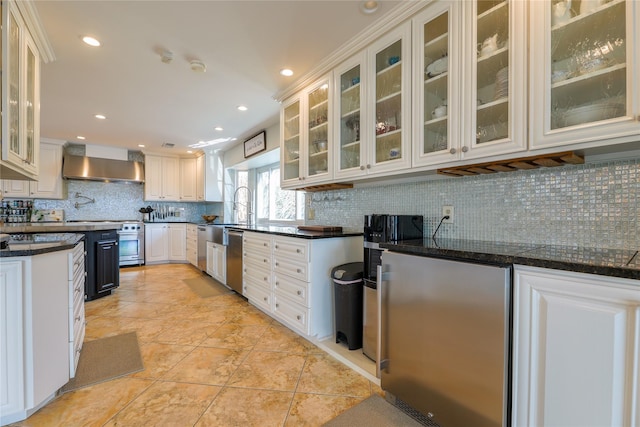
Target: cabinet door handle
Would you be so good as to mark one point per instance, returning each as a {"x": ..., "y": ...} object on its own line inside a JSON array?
[
  {"x": 465, "y": 149},
  {"x": 362, "y": 167},
  {"x": 368, "y": 166},
  {"x": 452, "y": 151}
]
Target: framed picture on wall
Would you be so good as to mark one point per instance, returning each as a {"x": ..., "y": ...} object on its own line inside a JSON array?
[{"x": 255, "y": 144}]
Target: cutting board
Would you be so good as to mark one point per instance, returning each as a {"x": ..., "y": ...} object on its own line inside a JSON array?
[{"x": 321, "y": 228}]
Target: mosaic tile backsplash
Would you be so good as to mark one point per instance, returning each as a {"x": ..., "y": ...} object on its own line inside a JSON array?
[
  {"x": 119, "y": 201},
  {"x": 591, "y": 205}
]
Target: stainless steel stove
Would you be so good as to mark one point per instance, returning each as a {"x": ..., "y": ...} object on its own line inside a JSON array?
[{"x": 131, "y": 239}]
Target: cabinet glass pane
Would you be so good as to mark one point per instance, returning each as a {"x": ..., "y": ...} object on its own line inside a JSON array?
[
  {"x": 30, "y": 104},
  {"x": 588, "y": 62},
  {"x": 492, "y": 72},
  {"x": 318, "y": 130},
  {"x": 436, "y": 84},
  {"x": 388, "y": 103},
  {"x": 291, "y": 168},
  {"x": 350, "y": 119},
  {"x": 14, "y": 86}
]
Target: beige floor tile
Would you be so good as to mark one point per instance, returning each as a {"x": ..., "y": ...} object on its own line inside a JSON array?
[
  {"x": 252, "y": 316},
  {"x": 324, "y": 374},
  {"x": 206, "y": 365},
  {"x": 107, "y": 326},
  {"x": 280, "y": 338},
  {"x": 158, "y": 358},
  {"x": 90, "y": 406},
  {"x": 236, "y": 407},
  {"x": 167, "y": 404},
  {"x": 313, "y": 410},
  {"x": 269, "y": 370},
  {"x": 236, "y": 336},
  {"x": 185, "y": 332}
]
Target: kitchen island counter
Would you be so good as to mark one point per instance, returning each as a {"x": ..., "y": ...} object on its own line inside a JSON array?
[
  {"x": 36, "y": 244},
  {"x": 623, "y": 263},
  {"x": 294, "y": 232},
  {"x": 59, "y": 227}
]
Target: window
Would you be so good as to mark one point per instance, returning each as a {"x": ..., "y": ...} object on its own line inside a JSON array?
[{"x": 274, "y": 204}]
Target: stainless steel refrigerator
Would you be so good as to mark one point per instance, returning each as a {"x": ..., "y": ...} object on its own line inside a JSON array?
[{"x": 445, "y": 339}]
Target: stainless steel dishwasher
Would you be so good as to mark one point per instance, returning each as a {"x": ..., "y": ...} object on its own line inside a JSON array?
[
  {"x": 445, "y": 338},
  {"x": 234, "y": 260}
]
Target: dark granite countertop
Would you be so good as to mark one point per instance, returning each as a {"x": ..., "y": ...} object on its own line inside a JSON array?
[
  {"x": 36, "y": 244},
  {"x": 58, "y": 227},
  {"x": 294, "y": 232},
  {"x": 606, "y": 262}
]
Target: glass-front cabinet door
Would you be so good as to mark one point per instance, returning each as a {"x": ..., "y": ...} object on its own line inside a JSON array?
[
  {"x": 437, "y": 80},
  {"x": 290, "y": 156},
  {"x": 389, "y": 62},
  {"x": 350, "y": 146},
  {"x": 318, "y": 135},
  {"x": 495, "y": 91},
  {"x": 585, "y": 84}
]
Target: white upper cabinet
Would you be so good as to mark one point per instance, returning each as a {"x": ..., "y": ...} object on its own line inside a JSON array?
[
  {"x": 21, "y": 97},
  {"x": 437, "y": 78},
  {"x": 470, "y": 86},
  {"x": 584, "y": 72},
  {"x": 387, "y": 127},
  {"x": 494, "y": 91},
  {"x": 350, "y": 149},
  {"x": 306, "y": 152},
  {"x": 188, "y": 177},
  {"x": 161, "y": 178}
]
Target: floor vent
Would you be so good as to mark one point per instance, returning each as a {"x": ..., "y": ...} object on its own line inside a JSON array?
[{"x": 413, "y": 413}]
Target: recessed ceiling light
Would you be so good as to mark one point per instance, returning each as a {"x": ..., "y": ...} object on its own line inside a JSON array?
[
  {"x": 141, "y": 145},
  {"x": 91, "y": 41},
  {"x": 242, "y": 108},
  {"x": 80, "y": 137},
  {"x": 189, "y": 151},
  {"x": 218, "y": 128},
  {"x": 100, "y": 116},
  {"x": 286, "y": 72},
  {"x": 369, "y": 6},
  {"x": 198, "y": 66}
]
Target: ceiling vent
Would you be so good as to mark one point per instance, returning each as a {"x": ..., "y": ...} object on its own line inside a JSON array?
[{"x": 168, "y": 145}]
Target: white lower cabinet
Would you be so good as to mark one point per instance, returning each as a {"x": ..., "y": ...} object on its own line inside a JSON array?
[
  {"x": 76, "y": 306},
  {"x": 290, "y": 278},
  {"x": 192, "y": 244},
  {"x": 36, "y": 302},
  {"x": 576, "y": 340},
  {"x": 165, "y": 242},
  {"x": 217, "y": 262}
]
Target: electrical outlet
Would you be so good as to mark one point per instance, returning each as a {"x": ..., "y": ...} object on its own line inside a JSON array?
[{"x": 447, "y": 210}]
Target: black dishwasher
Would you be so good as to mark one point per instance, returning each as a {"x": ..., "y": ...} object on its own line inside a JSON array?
[{"x": 102, "y": 263}]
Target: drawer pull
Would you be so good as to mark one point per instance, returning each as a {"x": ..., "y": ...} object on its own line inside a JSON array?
[
  {"x": 299, "y": 292},
  {"x": 298, "y": 270},
  {"x": 275, "y": 246},
  {"x": 277, "y": 305},
  {"x": 264, "y": 244},
  {"x": 277, "y": 283},
  {"x": 298, "y": 251},
  {"x": 265, "y": 298},
  {"x": 298, "y": 317},
  {"x": 265, "y": 260},
  {"x": 78, "y": 319},
  {"x": 277, "y": 264},
  {"x": 265, "y": 279}
]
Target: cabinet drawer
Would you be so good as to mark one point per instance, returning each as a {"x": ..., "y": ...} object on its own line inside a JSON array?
[
  {"x": 293, "y": 314},
  {"x": 294, "y": 249},
  {"x": 256, "y": 259},
  {"x": 256, "y": 243},
  {"x": 297, "y": 270},
  {"x": 257, "y": 274},
  {"x": 296, "y": 290},
  {"x": 257, "y": 295}
]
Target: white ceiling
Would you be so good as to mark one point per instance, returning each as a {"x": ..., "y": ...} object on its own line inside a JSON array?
[{"x": 244, "y": 44}]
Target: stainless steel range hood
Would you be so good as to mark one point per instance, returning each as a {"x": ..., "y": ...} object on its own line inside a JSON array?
[{"x": 98, "y": 169}]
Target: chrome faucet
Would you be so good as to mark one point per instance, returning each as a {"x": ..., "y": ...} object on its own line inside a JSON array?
[{"x": 248, "y": 205}]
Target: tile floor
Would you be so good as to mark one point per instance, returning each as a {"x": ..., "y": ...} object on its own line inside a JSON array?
[{"x": 214, "y": 361}]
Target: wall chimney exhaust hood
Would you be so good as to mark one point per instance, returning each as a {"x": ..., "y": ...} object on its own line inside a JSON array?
[{"x": 99, "y": 169}]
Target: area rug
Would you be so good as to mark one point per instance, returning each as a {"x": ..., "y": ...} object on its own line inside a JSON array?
[
  {"x": 373, "y": 412},
  {"x": 105, "y": 359},
  {"x": 205, "y": 287}
]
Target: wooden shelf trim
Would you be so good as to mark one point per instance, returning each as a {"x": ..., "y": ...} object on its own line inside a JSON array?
[{"x": 510, "y": 165}]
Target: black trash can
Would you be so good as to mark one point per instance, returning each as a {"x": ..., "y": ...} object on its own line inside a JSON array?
[{"x": 348, "y": 286}]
